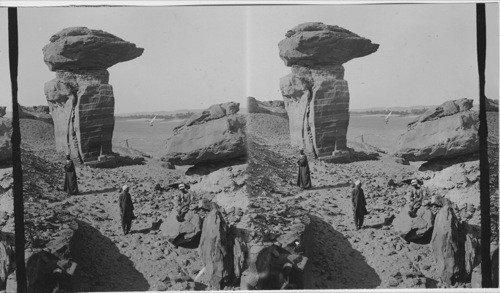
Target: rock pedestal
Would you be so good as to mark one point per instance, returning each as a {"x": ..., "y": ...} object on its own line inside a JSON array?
[
  {"x": 80, "y": 99},
  {"x": 315, "y": 93}
]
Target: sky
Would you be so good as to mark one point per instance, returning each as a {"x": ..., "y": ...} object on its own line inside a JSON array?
[{"x": 198, "y": 56}]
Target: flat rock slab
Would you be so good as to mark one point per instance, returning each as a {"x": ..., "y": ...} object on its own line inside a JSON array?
[
  {"x": 315, "y": 43},
  {"x": 80, "y": 48}
]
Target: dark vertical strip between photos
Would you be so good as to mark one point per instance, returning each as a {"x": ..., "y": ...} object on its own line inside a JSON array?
[
  {"x": 16, "y": 153},
  {"x": 483, "y": 149}
]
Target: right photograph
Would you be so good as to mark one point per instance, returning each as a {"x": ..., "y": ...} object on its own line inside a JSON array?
[{"x": 363, "y": 146}]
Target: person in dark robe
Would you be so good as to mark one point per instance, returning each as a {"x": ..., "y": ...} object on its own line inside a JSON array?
[
  {"x": 183, "y": 202},
  {"x": 70, "y": 181},
  {"x": 126, "y": 209},
  {"x": 358, "y": 205},
  {"x": 416, "y": 196},
  {"x": 304, "y": 176}
]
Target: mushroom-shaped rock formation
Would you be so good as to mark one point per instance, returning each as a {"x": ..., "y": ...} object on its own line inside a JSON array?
[
  {"x": 80, "y": 99},
  {"x": 315, "y": 93}
]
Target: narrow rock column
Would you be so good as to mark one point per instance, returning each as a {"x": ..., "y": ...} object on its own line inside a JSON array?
[
  {"x": 315, "y": 93},
  {"x": 80, "y": 99}
]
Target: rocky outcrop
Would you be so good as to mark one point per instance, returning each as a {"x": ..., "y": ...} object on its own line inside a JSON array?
[
  {"x": 315, "y": 43},
  {"x": 47, "y": 273},
  {"x": 476, "y": 279},
  {"x": 447, "y": 131},
  {"x": 315, "y": 93},
  {"x": 414, "y": 229},
  {"x": 266, "y": 107},
  {"x": 491, "y": 105},
  {"x": 265, "y": 269},
  {"x": 80, "y": 99},
  {"x": 214, "y": 135},
  {"x": 472, "y": 248},
  {"x": 41, "y": 113},
  {"x": 215, "y": 250},
  {"x": 3, "y": 111},
  {"x": 447, "y": 247},
  {"x": 185, "y": 233},
  {"x": 7, "y": 257},
  {"x": 5, "y": 143}
]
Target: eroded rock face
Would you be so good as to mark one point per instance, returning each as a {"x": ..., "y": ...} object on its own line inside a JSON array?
[
  {"x": 315, "y": 43},
  {"x": 215, "y": 250},
  {"x": 446, "y": 246},
  {"x": 266, "y": 107},
  {"x": 80, "y": 48},
  {"x": 6, "y": 257},
  {"x": 217, "y": 134},
  {"x": 80, "y": 99},
  {"x": 5, "y": 144},
  {"x": 315, "y": 93},
  {"x": 447, "y": 131}
]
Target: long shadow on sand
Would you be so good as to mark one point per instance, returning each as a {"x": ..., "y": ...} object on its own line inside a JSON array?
[
  {"x": 112, "y": 189},
  {"x": 338, "y": 185},
  {"x": 102, "y": 266},
  {"x": 336, "y": 264}
]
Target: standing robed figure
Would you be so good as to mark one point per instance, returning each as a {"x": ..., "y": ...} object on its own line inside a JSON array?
[
  {"x": 126, "y": 209},
  {"x": 304, "y": 176},
  {"x": 70, "y": 181},
  {"x": 358, "y": 205}
]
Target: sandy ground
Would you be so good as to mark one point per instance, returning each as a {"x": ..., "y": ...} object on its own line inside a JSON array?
[{"x": 373, "y": 257}]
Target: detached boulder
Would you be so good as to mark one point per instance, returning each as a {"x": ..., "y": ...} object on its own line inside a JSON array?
[
  {"x": 447, "y": 131},
  {"x": 417, "y": 229},
  {"x": 265, "y": 269},
  {"x": 185, "y": 233},
  {"x": 217, "y": 134},
  {"x": 44, "y": 274},
  {"x": 446, "y": 246},
  {"x": 216, "y": 252}
]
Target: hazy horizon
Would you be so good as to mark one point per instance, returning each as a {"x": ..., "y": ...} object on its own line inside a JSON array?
[{"x": 198, "y": 56}]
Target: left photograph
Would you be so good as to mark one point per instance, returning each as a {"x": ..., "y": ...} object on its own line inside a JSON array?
[{"x": 133, "y": 148}]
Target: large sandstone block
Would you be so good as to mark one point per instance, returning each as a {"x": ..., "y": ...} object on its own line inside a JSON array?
[
  {"x": 82, "y": 107},
  {"x": 446, "y": 137},
  {"x": 185, "y": 233},
  {"x": 80, "y": 48},
  {"x": 414, "y": 229},
  {"x": 446, "y": 246},
  {"x": 211, "y": 141},
  {"x": 215, "y": 250},
  {"x": 315, "y": 43}
]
